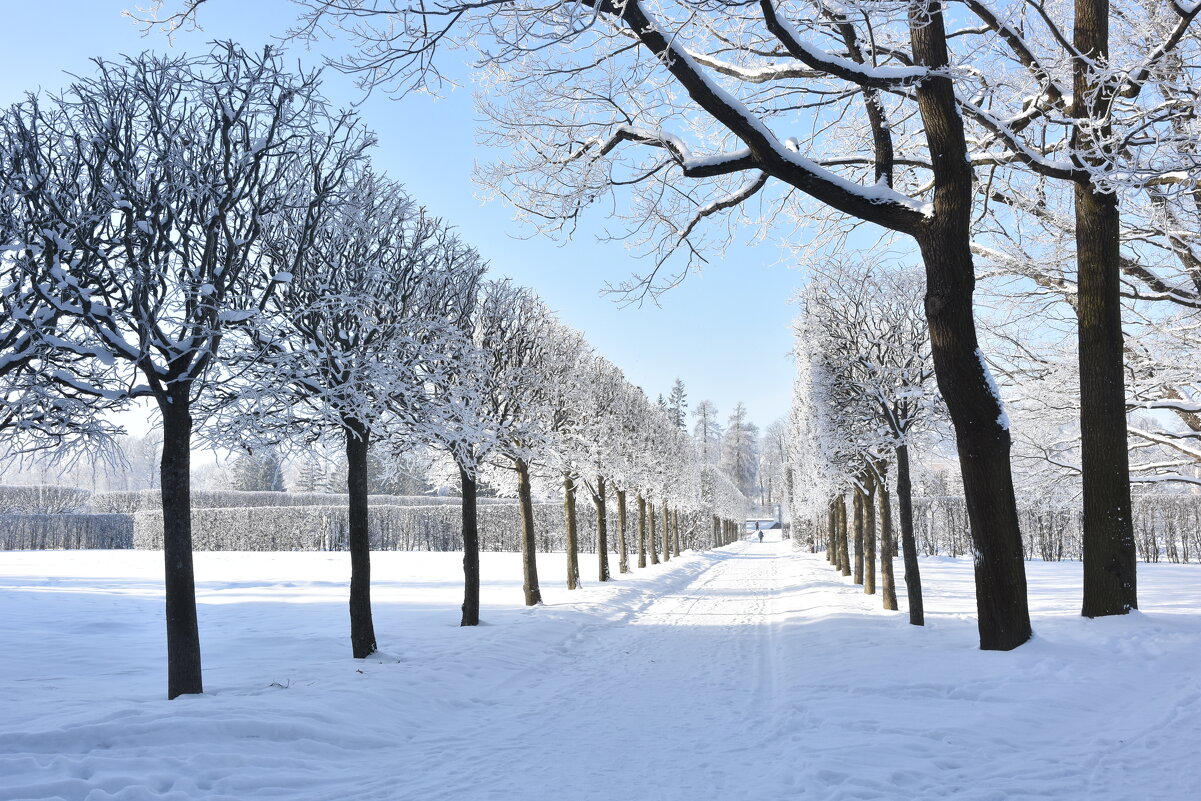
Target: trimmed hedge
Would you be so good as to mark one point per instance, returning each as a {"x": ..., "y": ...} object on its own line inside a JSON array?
[
  {"x": 392, "y": 528},
  {"x": 42, "y": 499},
  {"x": 62, "y": 532},
  {"x": 149, "y": 500}
]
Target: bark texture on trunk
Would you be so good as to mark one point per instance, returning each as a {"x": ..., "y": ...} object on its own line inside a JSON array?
[
  {"x": 573, "y": 543},
  {"x": 981, "y": 431},
  {"x": 471, "y": 550},
  {"x": 602, "y": 530},
  {"x": 913, "y": 575},
  {"x": 179, "y": 580},
  {"x": 623, "y": 559},
  {"x": 675, "y": 532},
  {"x": 1110, "y": 572},
  {"x": 362, "y": 628},
  {"x": 529, "y": 564}
]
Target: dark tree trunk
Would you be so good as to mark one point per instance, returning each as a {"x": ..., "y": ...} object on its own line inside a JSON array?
[
  {"x": 602, "y": 530},
  {"x": 1110, "y": 585},
  {"x": 471, "y": 550},
  {"x": 869, "y": 535},
  {"x": 844, "y": 545},
  {"x": 832, "y": 535},
  {"x": 573, "y": 541},
  {"x": 641, "y": 531},
  {"x": 623, "y": 559},
  {"x": 981, "y": 431},
  {"x": 913, "y": 576},
  {"x": 529, "y": 565},
  {"x": 179, "y": 581},
  {"x": 857, "y": 528},
  {"x": 652, "y": 543},
  {"x": 666, "y": 534},
  {"x": 888, "y": 584},
  {"x": 717, "y": 543},
  {"x": 362, "y": 629},
  {"x": 675, "y": 532}
]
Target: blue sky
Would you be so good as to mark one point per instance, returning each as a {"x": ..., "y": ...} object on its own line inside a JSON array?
[{"x": 725, "y": 333}]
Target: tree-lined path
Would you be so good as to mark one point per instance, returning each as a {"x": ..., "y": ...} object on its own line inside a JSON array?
[{"x": 745, "y": 672}]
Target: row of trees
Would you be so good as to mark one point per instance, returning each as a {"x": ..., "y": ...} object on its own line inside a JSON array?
[
  {"x": 863, "y": 394},
  {"x": 205, "y": 232},
  {"x": 897, "y": 114}
]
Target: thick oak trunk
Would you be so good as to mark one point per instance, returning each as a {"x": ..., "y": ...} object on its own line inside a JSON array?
[
  {"x": 179, "y": 582},
  {"x": 1110, "y": 586},
  {"x": 913, "y": 575},
  {"x": 362, "y": 629},
  {"x": 981, "y": 428},
  {"x": 471, "y": 550},
  {"x": 573, "y": 541},
  {"x": 529, "y": 564}
]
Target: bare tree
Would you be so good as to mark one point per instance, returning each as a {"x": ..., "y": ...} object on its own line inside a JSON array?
[{"x": 187, "y": 160}]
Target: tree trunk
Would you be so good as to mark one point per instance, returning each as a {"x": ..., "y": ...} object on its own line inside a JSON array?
[
  {"x": 652, "y": 544},
  {"x": 179, "y": 581},
  {"x": 981, "y": 428},
  {"x": 913, "y": 576},
  {"x": 717, "y": 543},
  {"x": 641, "y": 531},
  {"x": 362, "y": 629},
  {"x": 471, "y": 550},
  {"x": 857, "y": 528},
  {"x": 675, "y": 532},
  {"x": 666, "y": 534},
  {"x": 623, "y": 559},
  {"x": 602, "y": 530},
  {"x": 1110, "y": 572},
  {"x": 869, "y": 535},
  {"x": 831, "y": 535},
  {"x": 573, "y": 543},
  {"x": 844, "y": 557},
  {"x": 888, "y": 586},
  {"x": 529, "y": 565}
]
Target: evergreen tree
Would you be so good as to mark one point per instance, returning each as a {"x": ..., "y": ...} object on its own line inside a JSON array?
[
  {"x": 740, "y": 451},
  {"x": 677, "y": 405}
]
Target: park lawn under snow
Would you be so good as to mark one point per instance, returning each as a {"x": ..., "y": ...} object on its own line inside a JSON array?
[{"x": 751, "y": 672}]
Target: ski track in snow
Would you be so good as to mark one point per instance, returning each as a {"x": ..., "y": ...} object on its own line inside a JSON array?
[{"x": 749, "y": 672}]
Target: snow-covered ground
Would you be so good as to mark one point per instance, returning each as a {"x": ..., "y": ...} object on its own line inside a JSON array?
[{"x": 747, "y": 673}]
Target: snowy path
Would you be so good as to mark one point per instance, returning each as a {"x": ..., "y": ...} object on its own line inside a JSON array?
[{"x": 751, "y": 672}]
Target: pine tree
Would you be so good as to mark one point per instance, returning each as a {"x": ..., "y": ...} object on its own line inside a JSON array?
[{"x": 677, "y": 405}]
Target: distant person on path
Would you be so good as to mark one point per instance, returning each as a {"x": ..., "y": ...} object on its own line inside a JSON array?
[{"x": 760, "y": 532}]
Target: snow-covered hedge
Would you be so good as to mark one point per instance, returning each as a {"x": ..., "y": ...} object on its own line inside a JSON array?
[
  {"x": 1166, "y": 527},
  {"x": 21, "y": 532},
  {"x": 148, "y": 500},
  {"x": 42, "y": 499},
  {"x": 325, "y": 528}
]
